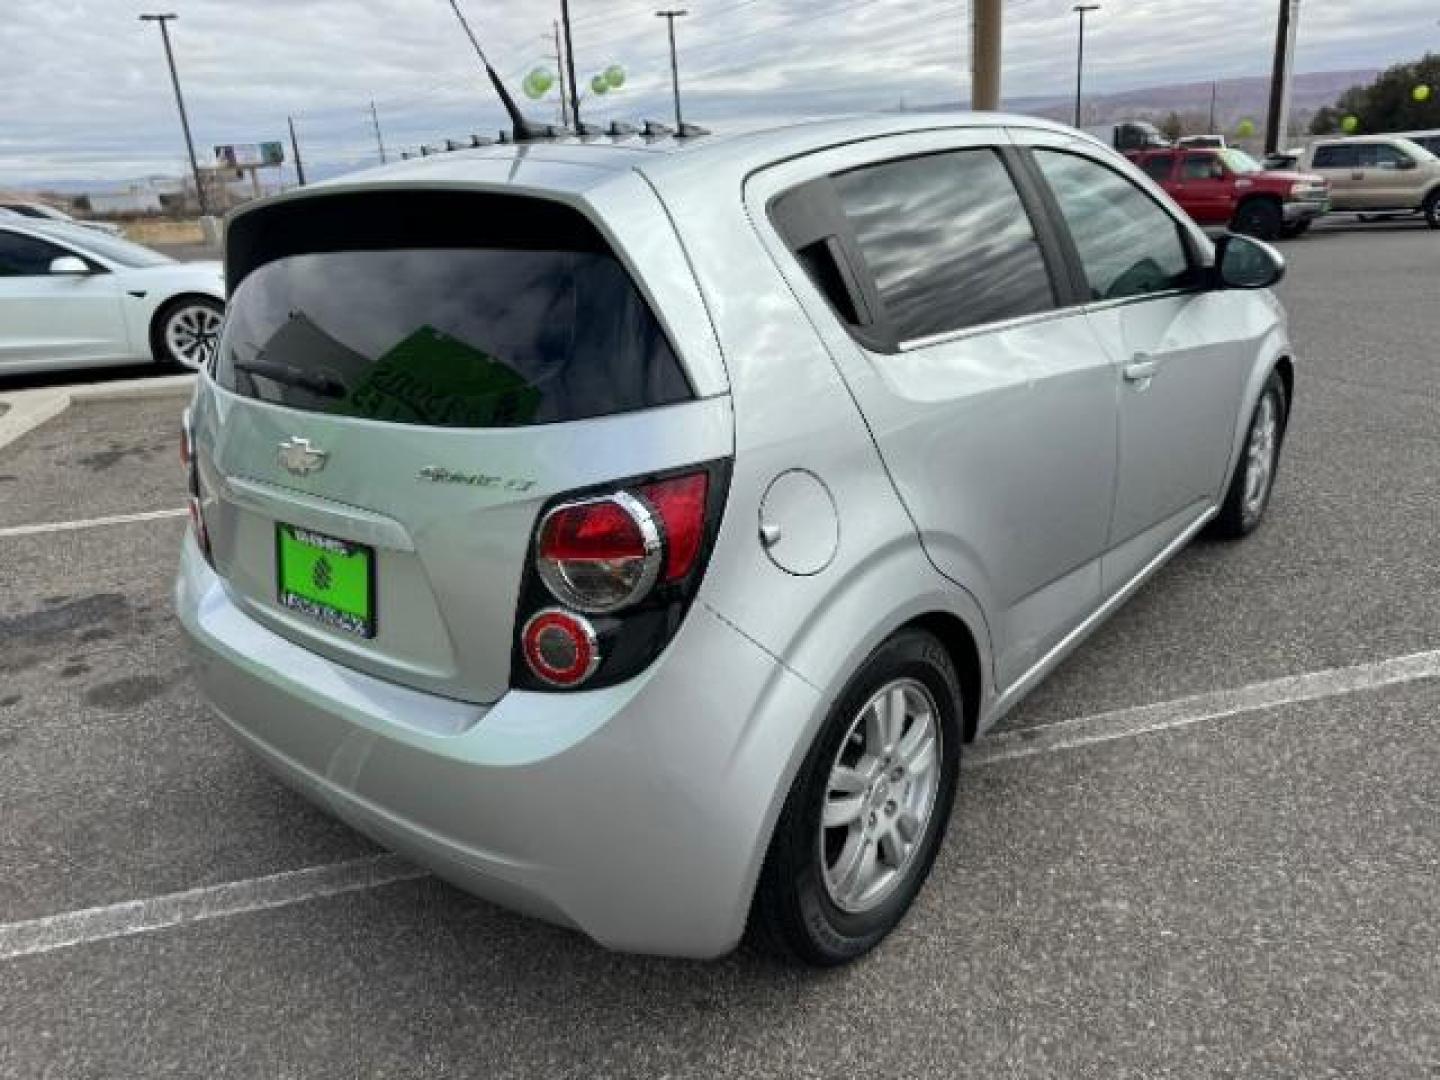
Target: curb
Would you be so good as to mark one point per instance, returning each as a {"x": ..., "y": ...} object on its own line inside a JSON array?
[{"x": 31, "y": 408}]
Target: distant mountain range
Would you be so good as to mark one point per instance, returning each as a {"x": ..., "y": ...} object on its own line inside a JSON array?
[{"x": 1235, "y": 100}]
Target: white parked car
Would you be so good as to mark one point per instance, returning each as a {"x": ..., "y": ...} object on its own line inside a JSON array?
[
  {"x": 44, "y": 212},
  {"x": 73, "y": 297}
]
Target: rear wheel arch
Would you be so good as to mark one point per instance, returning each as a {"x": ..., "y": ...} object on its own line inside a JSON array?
[{"x": 953, "y": 633}]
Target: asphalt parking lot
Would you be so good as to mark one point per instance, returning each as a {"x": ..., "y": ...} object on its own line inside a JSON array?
[{"x": 1208, "y": 846}]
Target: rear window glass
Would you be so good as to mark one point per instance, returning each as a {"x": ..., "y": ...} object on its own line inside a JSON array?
[{"x": 503, "y": 325}]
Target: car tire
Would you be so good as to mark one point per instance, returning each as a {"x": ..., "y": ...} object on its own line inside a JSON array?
[
  {"x": 186, "y": 332},
  {"x": 1431, "y": 209},
  {"x": 1253, "y": 481},
  {"x": 838, "y": 875},
  {"x": 1290, "y": 232},
  {"x": 1260, "y": 218}
]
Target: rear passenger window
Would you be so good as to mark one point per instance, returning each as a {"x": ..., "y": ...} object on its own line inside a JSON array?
[
  {"x": 947, "y": 241},
  {"x": 1335, "y": 157},
  {"x": 1128, "y": 246}
]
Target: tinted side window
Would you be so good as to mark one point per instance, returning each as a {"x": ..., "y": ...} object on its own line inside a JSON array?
[
  {"x": 1200, "y": 167},
  {"x": 1128, "y": 246},
  {"x": 1159, "y": 166},
  {"x": 1335, "y": 157},
  {"x": 947, "y": 240},
  {"x": 24, "y": 256},
  {"x": 1387, "y": 156}
]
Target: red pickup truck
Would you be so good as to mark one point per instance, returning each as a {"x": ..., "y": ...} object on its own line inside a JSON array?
[{"x": 1230, "y": 189}]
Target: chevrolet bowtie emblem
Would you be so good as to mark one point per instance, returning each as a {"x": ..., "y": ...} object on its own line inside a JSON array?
[{"x": 298, "y": 456}]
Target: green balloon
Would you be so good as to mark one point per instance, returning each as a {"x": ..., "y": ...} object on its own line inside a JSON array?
[
  {"x": 599, "y": 85},
  {"x": 1421, "y": 93},
  {"x": 1245, "y": 128},
  {"x": 538, "y": 83},
  {"x": 1349, "y": 124},
  {"x": 615, "y": 76}
]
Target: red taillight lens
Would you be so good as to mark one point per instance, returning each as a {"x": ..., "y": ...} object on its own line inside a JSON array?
[
  {"x": 680, "y": 505},
  {"x": 192, "y": 483},
  {"x": 601, "y": 554},
  {"x": 560, "y": 648}
]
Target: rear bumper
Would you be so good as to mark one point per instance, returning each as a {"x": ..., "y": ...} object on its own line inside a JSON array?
[{"x": 638, "y": 813}]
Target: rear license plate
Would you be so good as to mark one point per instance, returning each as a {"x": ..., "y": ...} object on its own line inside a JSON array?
[{"x": 329, "y": 580}]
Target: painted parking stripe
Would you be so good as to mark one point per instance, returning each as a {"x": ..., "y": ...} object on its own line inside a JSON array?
[
  {"x": 53, "y": 932},
  {"x": 89, "y": 523},
  {"x": 1216, "y": 705},
  {"x": 201, "y": 905}
]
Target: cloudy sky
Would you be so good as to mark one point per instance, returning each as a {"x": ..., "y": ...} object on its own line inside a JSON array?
[{"x": 84, "y": 97}]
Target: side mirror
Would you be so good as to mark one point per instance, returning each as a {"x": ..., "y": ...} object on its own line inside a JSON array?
[
  {"x": 69, "y": 264},
  {"x": 1242, "y": 262},
  {"x": 1405, "y": 164}
]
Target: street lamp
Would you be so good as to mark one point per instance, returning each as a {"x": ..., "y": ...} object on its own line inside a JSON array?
[
  {"x": 163, "y": 20},
  {"x": 1081, "y": 9}
]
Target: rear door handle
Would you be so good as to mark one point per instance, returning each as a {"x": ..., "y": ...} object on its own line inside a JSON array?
[{"x": 1140, "y": 370}]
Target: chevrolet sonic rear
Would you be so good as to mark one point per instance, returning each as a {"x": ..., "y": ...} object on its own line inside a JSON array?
[{"x": 634, "y": 532}]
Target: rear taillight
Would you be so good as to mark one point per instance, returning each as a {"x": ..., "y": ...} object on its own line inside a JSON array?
[
  {"x": 600, "y": 555},
  {"x": 194, "y": 490},
  {"x": 560, "y": 647},
  {"x": 623, "y": 565}
]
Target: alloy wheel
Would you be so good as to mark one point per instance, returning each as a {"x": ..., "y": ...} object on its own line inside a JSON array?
[
  {"x": 1260, "y": 456},
  {"x": 880, "y": 796},
  {"x": 192, "y": 333}
]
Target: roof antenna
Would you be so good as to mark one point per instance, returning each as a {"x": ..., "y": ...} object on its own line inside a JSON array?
[{"x": 524, "y": 129}]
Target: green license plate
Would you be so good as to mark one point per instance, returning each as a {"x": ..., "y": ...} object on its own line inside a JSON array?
[{"x": 329, "y": 580}]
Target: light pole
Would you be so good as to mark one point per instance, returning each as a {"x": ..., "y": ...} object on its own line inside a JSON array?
[
  {"x": 180, "y": 101},
  {"x": 670, "y": 16},
  {"x": 1081, "y": 10}
]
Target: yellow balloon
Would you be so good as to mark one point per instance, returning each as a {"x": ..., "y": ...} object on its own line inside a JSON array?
[
  {"x": 1421, "y": 93},
  {"x": 1245, "y": 128},
  {"x": 1349, "y": 124}
]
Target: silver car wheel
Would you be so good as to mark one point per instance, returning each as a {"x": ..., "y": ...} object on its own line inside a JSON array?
[
  {"x": 192, "y": 332},
  {"x": 1260, "y": 456},
  {"x": 880, "y": 795}
]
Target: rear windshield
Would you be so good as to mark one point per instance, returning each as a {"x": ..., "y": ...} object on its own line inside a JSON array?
[{"x": 477, "y": 321}]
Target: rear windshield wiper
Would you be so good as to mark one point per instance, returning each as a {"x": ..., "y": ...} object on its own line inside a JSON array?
[{"x": 320, "y": 384}]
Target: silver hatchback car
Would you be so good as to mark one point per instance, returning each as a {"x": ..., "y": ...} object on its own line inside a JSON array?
[{"x": 634, "y": 532}]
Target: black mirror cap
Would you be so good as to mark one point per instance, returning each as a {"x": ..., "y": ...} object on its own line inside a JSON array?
[{"x": 1242, "y": 262}]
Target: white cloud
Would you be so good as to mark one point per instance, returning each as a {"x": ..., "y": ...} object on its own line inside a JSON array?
[{"x": 84, "y": 95}]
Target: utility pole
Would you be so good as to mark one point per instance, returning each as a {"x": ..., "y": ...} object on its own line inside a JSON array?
[
  {"x": 670, "y": 15},
  {"x": 295, "y": 147},
  {"x": 1081, "y": 10},
  {"x": 560, "y": 67},
  {"x": 985, "y": 54},
  {"x": 1214, "y": 89},
  {"x": 570, "y": 63},
  {"x": 379, "y": 139},
  {"x": 1279, "y": 115},
  {"x": 163, "y": 20}
]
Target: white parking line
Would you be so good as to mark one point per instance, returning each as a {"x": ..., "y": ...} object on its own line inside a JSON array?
[
  {"x": 1216, "y": 705},
  {"x": 89, "y": 523},
  {"x": 54, "y": 932},
  {"x": 200, "y": 905}
]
